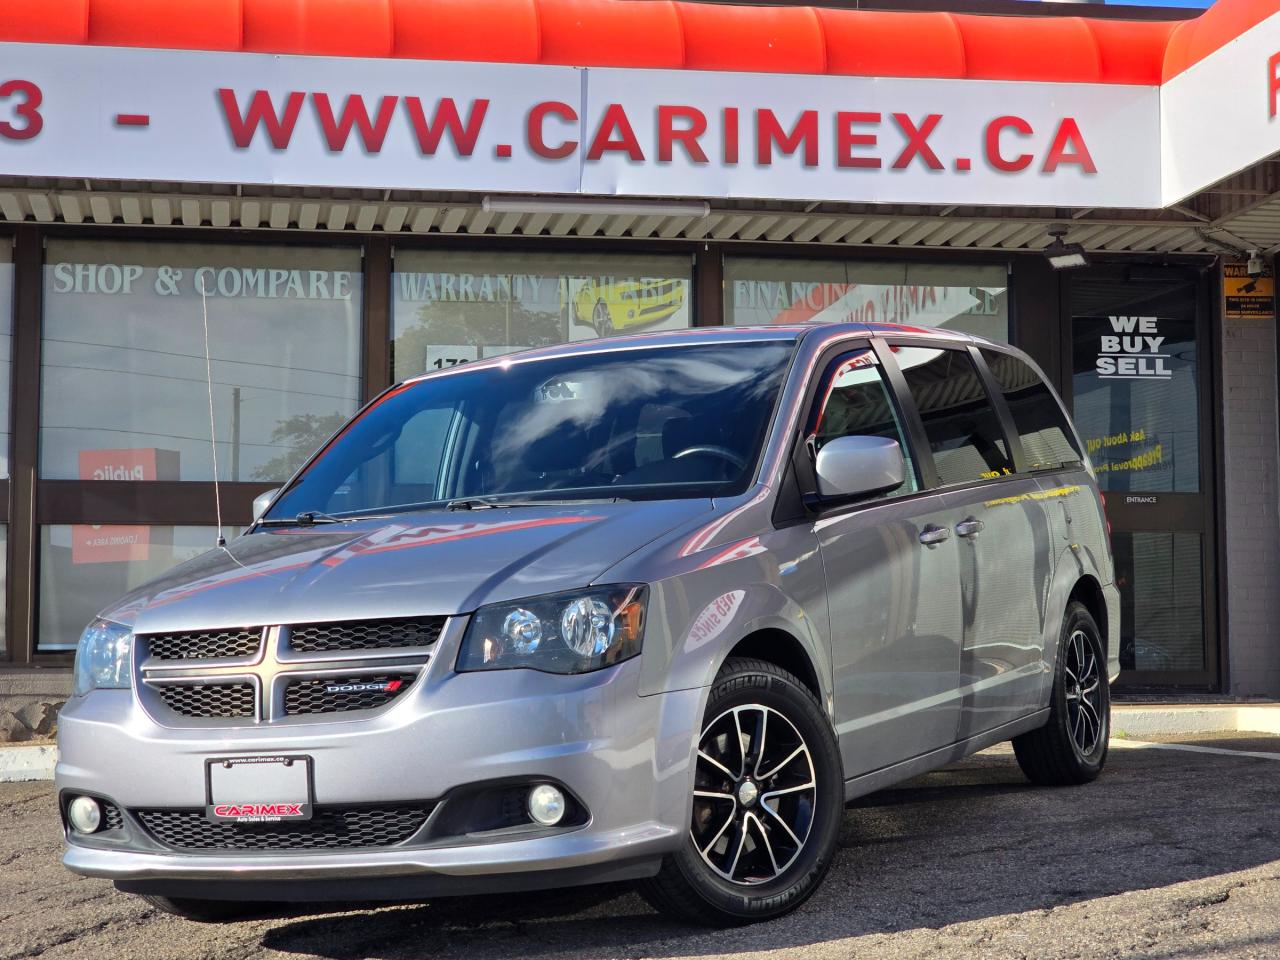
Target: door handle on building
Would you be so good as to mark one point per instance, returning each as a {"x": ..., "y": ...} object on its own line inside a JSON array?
[
  {"x": 970, "y": 527},
  {"x": 932, "y": 535}
]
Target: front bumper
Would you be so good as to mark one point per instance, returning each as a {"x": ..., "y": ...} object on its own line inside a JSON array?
[{"x": 625, "y": 757}]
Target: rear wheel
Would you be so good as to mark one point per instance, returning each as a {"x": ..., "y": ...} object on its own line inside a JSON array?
[
  {"x": 768, "y": 798},
  {"x": 1072, "y": 746}
]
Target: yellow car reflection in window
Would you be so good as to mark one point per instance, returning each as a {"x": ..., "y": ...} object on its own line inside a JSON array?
[{"x": 627, "y": 304}]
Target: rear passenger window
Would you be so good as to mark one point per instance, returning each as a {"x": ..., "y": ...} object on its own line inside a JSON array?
[
  {"x": 1047, "y": 439},
  {"x": 961, "y": 424},
  {"x": 856, "y": 402}
]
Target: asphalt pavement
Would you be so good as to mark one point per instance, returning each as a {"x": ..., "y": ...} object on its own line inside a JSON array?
[{"x": 1173, "y": 854}]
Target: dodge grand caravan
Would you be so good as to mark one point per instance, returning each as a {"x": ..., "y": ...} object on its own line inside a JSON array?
[{"x": 652, "y": 608}]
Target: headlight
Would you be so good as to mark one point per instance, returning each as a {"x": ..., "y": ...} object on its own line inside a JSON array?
[
  {"x": 102, "y": 658},
  {"x": 562, "y": 633}
]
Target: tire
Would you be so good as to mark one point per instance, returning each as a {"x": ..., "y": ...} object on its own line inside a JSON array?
[
  {"x": 601, "y": 319},
  {"x": 1072, "y": 747},
  {"x": 737, "y": 885},
  {"x": 210, "y": 911}
]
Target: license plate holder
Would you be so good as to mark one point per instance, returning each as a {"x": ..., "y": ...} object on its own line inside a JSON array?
[{"x": 266, "y": 789}]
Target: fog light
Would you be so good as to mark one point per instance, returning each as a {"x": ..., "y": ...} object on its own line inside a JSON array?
[
  {"x": 85, "y": 814},
  {"x": 546, "y": 804}
]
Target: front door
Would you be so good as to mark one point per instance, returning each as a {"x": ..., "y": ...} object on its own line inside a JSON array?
[
  {"x": 1140, "y": 393},
  {"x": 892, "y": 587}
]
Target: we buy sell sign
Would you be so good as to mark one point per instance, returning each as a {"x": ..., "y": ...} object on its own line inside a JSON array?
[{"x": 161, "y": 115}]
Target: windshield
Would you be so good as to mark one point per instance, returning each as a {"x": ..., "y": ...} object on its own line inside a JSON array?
[{"x": 664, "y": 422}]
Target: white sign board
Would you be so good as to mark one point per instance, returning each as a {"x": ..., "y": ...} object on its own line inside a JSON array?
[
  {"x": 1222, "y": 114},
  {"x": 165, "y": 115}
]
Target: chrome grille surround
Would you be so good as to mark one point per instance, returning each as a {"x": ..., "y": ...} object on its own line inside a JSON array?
[{"x": 235, "y": 691}]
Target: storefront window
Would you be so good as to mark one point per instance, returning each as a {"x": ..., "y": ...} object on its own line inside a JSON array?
[
  {"x": 1161, "y": 609},
  {"x": 124, "y": 381},
  {"x": 1135, "y": 387},
  {"x": 85, "y": 567},
  {"x": 450, "y": 308},
  {"x": 6, "y": 354},
  {"x": 973, "y": 299}
]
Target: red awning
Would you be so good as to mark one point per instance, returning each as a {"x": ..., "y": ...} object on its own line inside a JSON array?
[{"x": 654, "y": 33}]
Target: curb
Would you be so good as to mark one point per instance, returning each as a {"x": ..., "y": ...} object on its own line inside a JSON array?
[
  {"x": 31, "y": 761},
  {"x": 1164, "y": 719}
]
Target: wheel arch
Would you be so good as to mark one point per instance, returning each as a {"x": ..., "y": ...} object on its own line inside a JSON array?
[
  {"x": 782, "y": 649},
  {"x": 1088, "y": 591}
]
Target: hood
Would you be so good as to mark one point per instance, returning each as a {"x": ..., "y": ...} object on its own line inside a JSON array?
[{"x": 430, "y": 562}]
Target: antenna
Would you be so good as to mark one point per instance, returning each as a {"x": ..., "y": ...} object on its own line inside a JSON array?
[{"x": 213, "y": 430}]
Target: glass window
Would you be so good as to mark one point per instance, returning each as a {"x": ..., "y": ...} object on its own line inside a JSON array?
[
  {"x": 856, "y": 402},
  {"x": 450, "y": 308},
  {"x": 1047, "y": 439},
  {"x": 6, "y": 349},
  {"x": 961, "y": 424},
  {"x": 86, "y": 567},
  {"x": 662, "y": 422},
  {"x": 1136, "y": 401},
  {"x": 124, "y": 380},
  {"x": 1161, "y": 600},
  {"x": 971, "y": 298}
]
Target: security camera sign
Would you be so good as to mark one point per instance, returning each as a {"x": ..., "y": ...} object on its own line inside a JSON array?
[{"x": 1246, "y": 296}]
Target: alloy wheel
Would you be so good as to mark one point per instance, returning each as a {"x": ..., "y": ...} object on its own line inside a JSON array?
[
  {"x": 754, "y": 794},
  {"x": 1084, "y": 693}
]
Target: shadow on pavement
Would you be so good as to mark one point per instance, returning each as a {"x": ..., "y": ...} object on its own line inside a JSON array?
[{"x": 971, "y": 842}]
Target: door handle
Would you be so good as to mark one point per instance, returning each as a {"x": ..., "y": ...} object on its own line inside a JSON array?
[
  {"x": 932, "y": 535},
  {"x": 970, "y": 527}
]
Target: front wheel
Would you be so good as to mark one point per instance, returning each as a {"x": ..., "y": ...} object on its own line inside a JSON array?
[
  {"x": 768, "y": 798},
  {"x": 1071, "y": 747}
]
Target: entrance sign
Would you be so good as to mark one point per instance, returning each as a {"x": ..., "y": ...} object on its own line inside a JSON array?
[{"x": 220, "y": 117}]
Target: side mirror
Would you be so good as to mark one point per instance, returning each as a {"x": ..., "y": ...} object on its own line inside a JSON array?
[
  {"x": 262, "y": 501},
  {"x": 859, "y": 466}
]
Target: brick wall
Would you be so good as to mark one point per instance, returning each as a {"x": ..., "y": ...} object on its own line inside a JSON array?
[{"x": 1251, "y": 496}]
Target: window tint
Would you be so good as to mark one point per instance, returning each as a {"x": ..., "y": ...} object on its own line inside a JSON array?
[
  {"x": 961, "y": 424},
  {"x": 1047, "y": 440},
  {"x": 856, "y": 402}
]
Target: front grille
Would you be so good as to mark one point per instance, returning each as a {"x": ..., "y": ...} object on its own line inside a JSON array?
[
  {"x": 208, "y": 699},
  {"x": 326, "y": 694},
  {"x": 301, "y": 670},
  {"x": 112, "y": 819},
  {"x": 204, "y": 644},
  {"x": 366, "y": 634},
  {"x": 329, "y": 828}
]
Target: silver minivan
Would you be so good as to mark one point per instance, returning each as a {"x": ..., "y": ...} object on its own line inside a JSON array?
[{"x": 651, "y": 608}]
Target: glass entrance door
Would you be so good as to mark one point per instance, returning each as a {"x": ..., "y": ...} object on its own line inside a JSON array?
[{"x": 1140, "y": 394}]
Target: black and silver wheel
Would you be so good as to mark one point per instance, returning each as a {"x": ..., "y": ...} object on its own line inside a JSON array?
[
  {"x": 767, "y": 803},
  {"x": 1072, "y": 746},
  {"x": 601, "y": 319}
]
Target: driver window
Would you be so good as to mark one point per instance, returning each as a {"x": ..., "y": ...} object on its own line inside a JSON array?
[{"x": 856, "y": 402}]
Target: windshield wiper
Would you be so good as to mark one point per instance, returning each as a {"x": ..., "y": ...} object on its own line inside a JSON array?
[
  {"x": 490, "y": 503},
  {"x": 309, "y": 518}
]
